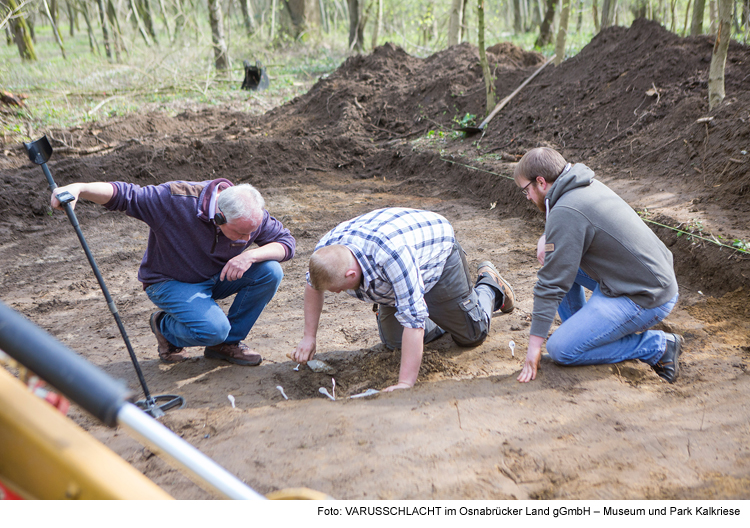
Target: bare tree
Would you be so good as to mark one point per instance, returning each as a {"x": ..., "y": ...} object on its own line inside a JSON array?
[
  {"x": 378, "y": 25},
  {"x": 55, "y": 31},
  {"x": 562, "y": 32},
  {"x": 696, "y": 25},
  {"x": 489, "y": 81},
  {"x": 518, "y": 16},
  {"x": 221, "y": 58},
  {"x": 719, "y": 55},
  {"x": 455, "y": 22},
  {"x": 21, "y": 33},
  {"x": 545, "y": 29},
  {"x": 248, "y": 16},
  {"x": 608, "y": 12},
  {"x": 356, "y": 38},
  {"x": 105, "y": 28},
  {"x": 83, "y": 7}
]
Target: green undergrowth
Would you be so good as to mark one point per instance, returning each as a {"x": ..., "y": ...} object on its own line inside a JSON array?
[{"x": 66, "y": 92}]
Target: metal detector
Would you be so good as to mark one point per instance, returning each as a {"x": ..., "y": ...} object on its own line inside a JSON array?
[{"x": 39, "y": 153}]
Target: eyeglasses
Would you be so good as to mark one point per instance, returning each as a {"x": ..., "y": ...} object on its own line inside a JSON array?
[{"x": 525, "y": 188}]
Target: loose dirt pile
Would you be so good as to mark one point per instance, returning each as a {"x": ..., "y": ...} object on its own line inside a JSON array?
[{"x": 379, "y": 132}]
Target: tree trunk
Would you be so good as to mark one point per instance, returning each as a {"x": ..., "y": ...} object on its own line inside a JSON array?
[
  {"x": 456, "y": 20},
  {"x": 696, "y": 26},
  {"x": 55, "y": 31},
  {"x": 687, "y": 13},
  {"x": 608, "y": 11},
  {"x": 221, "y": 59},
  {"x": 378, "y": 25},
  {"x": 144, "y": 7},
  {"x": 83, "y": 7},
  {"x": 356, "y": 38},
  {"x": 139, "y": 24},
  {"x": 118, "y": 44},
  {"x": 163, "y": 11},
  {"x": 517, "y": 17},
  {"x": 248, "y": 16},
  {"x": 300, "y": 16},
  {"x": 21, "y": 34},
  {"x": 545, "y": 30},
  {"x": 595, "y": 13},
  {"x": 272, "y": 29},
  {"x": 489, "y": 81},
  {"x": 712, "y": 16},
  {"x": 72, "y": 16},
  {"x": 105, "y": 28},
  {"x": 719, "y": 55},
  {"x": 562, "y": 32}
]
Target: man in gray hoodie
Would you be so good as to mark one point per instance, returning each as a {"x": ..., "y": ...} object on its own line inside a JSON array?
[{"x": 593, "y": 239}]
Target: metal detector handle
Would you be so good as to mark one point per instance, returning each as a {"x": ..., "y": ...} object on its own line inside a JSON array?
[{"x": 80, "y": 381}]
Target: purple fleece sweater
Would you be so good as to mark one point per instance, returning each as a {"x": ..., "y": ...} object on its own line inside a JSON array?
[{"x": 183, "y": 243}]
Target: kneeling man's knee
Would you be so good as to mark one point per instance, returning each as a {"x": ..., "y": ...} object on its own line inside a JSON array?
[
  {"x": 213, "y": 332},
  {"x": 560, "y": 351}
]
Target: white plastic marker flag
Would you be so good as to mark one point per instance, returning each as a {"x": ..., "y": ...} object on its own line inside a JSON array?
[
  {"x": 281, "y": 390},
  {"x": 512, "y": 346},
  {"x": 231, "y": 399}
]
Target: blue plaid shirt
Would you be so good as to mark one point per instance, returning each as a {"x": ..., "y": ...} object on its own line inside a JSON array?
[{"x": 402, "y": 253}]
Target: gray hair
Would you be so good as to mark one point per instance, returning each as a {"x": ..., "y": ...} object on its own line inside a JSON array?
[{"x": 241, "y": 201}]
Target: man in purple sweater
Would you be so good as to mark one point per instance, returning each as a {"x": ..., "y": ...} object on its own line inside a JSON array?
[{"x": 199, "y": 251}]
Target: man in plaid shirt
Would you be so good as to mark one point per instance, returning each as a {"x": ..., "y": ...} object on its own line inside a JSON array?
[{"x": 408, "y": 262}]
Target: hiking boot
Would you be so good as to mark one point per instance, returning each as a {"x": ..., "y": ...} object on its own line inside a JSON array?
[
  {"x": 668, "y": 367},
  {"x": 168, "y": 353},
  {"x": 237, "y": 353},
  {"x": 489, "y": 275}
]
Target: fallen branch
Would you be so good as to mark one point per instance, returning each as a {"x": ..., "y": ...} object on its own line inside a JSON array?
[{"x": 656, "y": 149}]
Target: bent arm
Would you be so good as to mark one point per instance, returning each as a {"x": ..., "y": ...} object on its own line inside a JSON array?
[
  {"x": 412, "y": 347},
  {"x": 97, "y": 192},
  {"x": 236, "y": 267},
  {"x": 305, "y": 350}
]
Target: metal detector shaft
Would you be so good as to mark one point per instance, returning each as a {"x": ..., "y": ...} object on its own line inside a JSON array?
[{"x": 110, "y": 303}]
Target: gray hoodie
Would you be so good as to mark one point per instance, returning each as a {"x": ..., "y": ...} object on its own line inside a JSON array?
[{"x": 590, "y": 227}]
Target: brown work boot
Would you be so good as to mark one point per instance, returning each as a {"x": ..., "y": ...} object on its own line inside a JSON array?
[
  {"x": 168, "y": 353},
  {"x": 237, "y": 353},
  {"x": 489, "y": 275}
]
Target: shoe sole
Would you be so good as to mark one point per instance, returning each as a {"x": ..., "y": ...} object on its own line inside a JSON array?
[
  {"x": 210, "y": 354},
  {"x": 490, "y": 265}
]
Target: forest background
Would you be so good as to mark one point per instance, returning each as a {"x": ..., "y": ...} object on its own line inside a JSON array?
[{"x": 66, "y": 62}]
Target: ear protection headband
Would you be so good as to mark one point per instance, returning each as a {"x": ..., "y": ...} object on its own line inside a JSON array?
[{"x": 219, "y": 218}]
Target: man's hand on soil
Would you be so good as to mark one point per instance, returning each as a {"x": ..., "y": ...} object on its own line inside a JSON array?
[{"x": 305, "y": 351}]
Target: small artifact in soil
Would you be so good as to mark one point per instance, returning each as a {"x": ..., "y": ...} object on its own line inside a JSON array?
[
  {"x": 231, "y": 399},
  {"x": 368, "y": 392},
  {"x": 323, "y": 390},
  {"x": 320, "y": 366},
  {"x": 512, "y": 346},
  {"x": 296, "y": 369},
  {"x": 281, "y": 390}
]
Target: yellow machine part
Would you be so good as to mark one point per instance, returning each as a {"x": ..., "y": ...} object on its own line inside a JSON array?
[{"x": 45, "y": 455}]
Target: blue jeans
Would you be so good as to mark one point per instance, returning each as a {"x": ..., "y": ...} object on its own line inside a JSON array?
[
  {"x": 194, "y": 319},
  {"x": 605, "y": 329}
]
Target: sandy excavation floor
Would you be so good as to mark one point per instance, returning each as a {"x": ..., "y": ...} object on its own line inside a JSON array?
[{"x": 467, "y": 430}]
